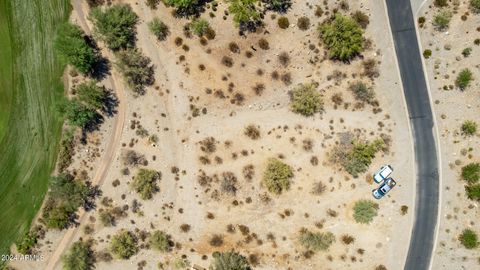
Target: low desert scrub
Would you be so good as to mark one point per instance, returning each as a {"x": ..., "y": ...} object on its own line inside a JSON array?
[
  {"x": 370, "y": 68},
  {"x": 427, "y": 53},
  {"x": 136, "y": 69},
  {"x": 469, "y": 239},
  {"x": 145, "y": 183},
  {"x": 441, "y": 20},
  {"x": 159, "y": 29},
  {"x": 185, "y": 228},
  {"x": 348, "y": 239},
  {"x": 229, "y": 183},
  {"x": 27, "y": 243},
  {"x": 79, "y": 256},
  {"x": 199, "y": 26},
  {"x": 307, "y": 144},
  {"x": 343, "y": 37},
  {"x": 440, "y": 3},
  {"x": 469, "y": 128},
  {"x": 466, "y": 52},
  {"x": 233, "y": 47},
  {"x": 318, "y": 188},
  {"x": 316, "y": 241},
  {"x": 362, "y": 92},
  {"x": 263, "y": 44},
  {"x": 229, "y": 261},
  {"x": 475, "y": 6},
  {"x": 463, "y": 79},
  {"x": 277, "y": 176},
  {"x": 306, "y": 100},
  {"x": 159, "y": 241},
  {"x": 216, "y": 240},
  {"x": 258, "y": 89},
  {"x": 248, "y": 172},
  {"x": 471, "y": 173},
  {"x": 284, "y": 59},
  {"x": 252, "y": 131},
  {"x": 361, "y": 18},
  {"x": 124, "y": 245},
  {"x": 152, "y": 4},
  {"x": 473, "y": 192},
  {"x": 283, "y": 22},
  {"x": 303, "y": 23},
  {"x": 404, "y": 210},
  {"x": 66, "y": 151},
  {"x": 227, "y": 61},
  {"x": 365, "y": 211},
  {"x": 107, "y": 218},
  {"x": 208, "y": 145}
]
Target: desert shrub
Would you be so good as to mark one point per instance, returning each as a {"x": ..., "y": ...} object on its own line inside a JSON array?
[
  {"x": 277, "y": 175},
  {"x": 185, "y": 228},
  {"x": 284, "y": 59},
  {"x": 365, "y": 211},
  {"x": 318, "y": 188},
  {"x": 475, "y": 5},
  {"x": 466, "y": 52},
  {"x": 199, "y": 26},
  {"x": 286, "y": 78},
  {"x": 473, "y": 192},
  {"x": 355, "y": 156},
  {"x": 95, "y": 3},
  {"x": 305, "y": 100},
  {"x": 248, "y": 171},
  {"x": 343, "y": 37},
  {"x": 230, "y": 260},
  {"x": 92, "y": 95},
  {"x": 404, "y": 210},
  {"x": 107, "y": 218},
  {"x": 370, "y": 68},
  {"x": 229, "y": 183},
  {"x": 159, "y": 241},
  {"x": 233, "y": 47},
  {"x": 77, "y": 113},
  {"x": 469, "y": 128},
  {"x": 421, "y": 21},
  {"x": 227, "y": 61},
  {"x": 471, "y": 173},
  {"x": 318, "y": 11},
  {"x": 145, "y": 183},
  {"x": 362, "y": 92},
  {"x": 258, "y": 89},
  {"x": 348, "y": 239},
  {"x": 124, "y": 245},
  {"x": 463, "y": 79},
  {"x": 361, "y": 18},
  {"x": 132, "y": 158},
  {"x": 440, "y": 3},
  {"x": 72, "y": 47},
  {"x": 208, "y": 145},
  {"x": 216, "y": 240},
  {"x": 283, "y": 22},
  {"x": 245, "y": 14},
  {"x": 27, "y": 242},
  {"x": 115, "y": 25},
  {"x": 252, "y": 131},
  {"x": 441, "y": 20},
  {"x": 280, "y": 6},
  {"x": 263, "y": 44},
  {"x": 66, "y": 151},
  {"x": 303, "y": 23},
  {"x": 159, "y": 29},
  {"x": 136, "y": 69},
  {"x": 316, "y": 241},
  {"x": 152, "y": 4},
  {"x": 469, "y": 239},
  {"x": 427, "y": 53},
  {"x": 79, "y": 257}
]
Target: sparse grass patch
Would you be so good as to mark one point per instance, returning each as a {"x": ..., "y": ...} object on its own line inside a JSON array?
[{"x": 365, "y": 211}]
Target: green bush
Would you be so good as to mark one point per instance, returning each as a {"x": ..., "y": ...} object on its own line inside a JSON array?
[
  {"x": 475, "y": 5},
  {"x": 441, "y": 20},
  {"x": 27, "y": 243},
  {"x": 466, "y": 52},
  {"x": 343, "y": 37},
  {"x": 280, "y": 6},
  {"x": 360, "y": 157},
  {"x": 245, "y": 14},
  {"x": 316, "y": 241},
  {"x": 79, "y": 257},
  {"x": 229, "y": 261},
  {"x": 471, "y": 173},
  {"x": 136, "y": 69},
  {"x": 159, "y": 241},
  {"x": 365, "y": 211},
  {"x": 277, "y": 175},
  {"x": 469, "y": 239},
  {"x": 92, "y": 95},
  {"x": 199, "y": 26},
  {"x": 283, "y": 22},
  {"x": 473, "y": 192},
  {"x": 305, "y": 100},
  {"x": 115, "y": 25},
  {"x": 464, "y": 78},
  {"x": 440, "y": 3},
  {"x": 427, "y": 53},
  {"x": 71, "y": 45},
  {"x": 145, "y": 183},
  {"x": 362, "y": 92},
  {"x": 469, "y": 128},
  {"x": 159, "y": 29},
  {"x": 124, "y": 245}
]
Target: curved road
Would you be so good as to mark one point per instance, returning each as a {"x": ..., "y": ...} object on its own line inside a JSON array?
[{"x": 421, "y": 120}]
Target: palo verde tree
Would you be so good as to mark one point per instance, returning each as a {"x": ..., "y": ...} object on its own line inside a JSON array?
[
  {"x": 72, "y": 47},
  {"x": 92, "y": 95},
  {"x": 245, "y": 14},
  {"x": 136, "y": 69},
  {"x": 115, "y": 25},
  {"x": 77, "y": 113},
  {"x": 79, "y": 257}
]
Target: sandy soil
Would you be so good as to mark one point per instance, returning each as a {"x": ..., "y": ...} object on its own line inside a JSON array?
[
  {"x": 166, "y": 111},
  {"x": 452, "y": 108}
]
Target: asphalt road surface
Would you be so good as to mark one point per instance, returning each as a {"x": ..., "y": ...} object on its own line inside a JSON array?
[{"x": 421, "y": 120}]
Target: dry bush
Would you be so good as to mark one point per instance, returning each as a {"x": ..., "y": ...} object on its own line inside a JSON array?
[
  {"x": 317, "y": 241},
  {"x": 252, "y": 131},
  {"x": 380, "y": 267},
  {"x": 370, "y": 68},
  {"x": 132, "y": 158},
  {"x": 208, "y": 145},
  {"x": 216, "y": 240},
  {"x": 275, "y": 76},
  {"x": 303, "y": 23},
  {"x": 286, "y": 78},
  {"x": 361, "y": 18},
  {"x": 283, "y": 22},
  {"x": 258, "y": 89},
  {"x": 234, "y": 48},
  {"x": 229, "y": 183},
  {"x": 248, "y": 171},
  {"x": 284, "y": 59},
  {"x": 263, "y": 44},
  {"x": 227, "y": 61},
  {"x": 337, "y": 99},
  {"x": 185, "y": 228},
  {"x": 307, "y": 144},
  {"x": 404, "y": 210},
  {"x": 348, "y": 239},
  {"x": 318, "y": 188},
  {"x": 238, "y": 99},
  {"x": 314, "y": 160}
]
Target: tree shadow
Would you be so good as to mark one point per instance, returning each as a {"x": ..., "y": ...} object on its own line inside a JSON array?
[
  {"x": 93, "y": 125},
  {"x": 101, "y": 67},
  {"x": 193, "y": 11},
  {"x": 110, "y": 104}
]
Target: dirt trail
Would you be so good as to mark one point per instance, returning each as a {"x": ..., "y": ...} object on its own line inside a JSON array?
[{"x": 112, "y": 146}]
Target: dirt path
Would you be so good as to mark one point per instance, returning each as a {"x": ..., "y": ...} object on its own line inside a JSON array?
[{"x": 110, "y": 150}]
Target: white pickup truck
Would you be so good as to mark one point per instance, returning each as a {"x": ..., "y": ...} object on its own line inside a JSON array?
[{"x": 382, "y": 174}]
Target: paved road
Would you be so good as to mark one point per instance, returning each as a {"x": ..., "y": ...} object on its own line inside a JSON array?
[{"x": 421, "y": 121}]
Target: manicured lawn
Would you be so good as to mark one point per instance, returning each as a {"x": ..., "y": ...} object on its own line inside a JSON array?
[{"x": 31, "y": 83}]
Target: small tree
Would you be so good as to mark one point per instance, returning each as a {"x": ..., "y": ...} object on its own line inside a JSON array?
[
  {"x": 441, "y": 20},
  {"x": 124, "y": 245},
  {"x": 159, "y": 241},
  {"x": 245, "y": 14},
  {"x": 365, "y": 211},
  {"x": 77, "y": 113},
  {"x": 145, "y": 183},
  {"x": 71, "y": 45},
  {"x": 136, "y": 69},
  {"x": 79, "y": 257},
  {"x": 362, "y": 92},
  {"x": 343, "y": 37},
  {"x": 115, "y": 25},
  {"x": 469, "y": 239},
  {"x": 277, "y": 175},
  {"x": 229, "y": 261},
  {"x": 469, "y": 128},
  {"x": 159, "y": 29},
  {"x": 464, "y": 78},
  {"x": 305, "y": 100},
  {"x": 475, "y": 5},
  {"x": 27, "y": 243},
  {"x": 92, "y": 95},
  {"x": 317, "y": 241},
  {"x": 471, "y": 173}
]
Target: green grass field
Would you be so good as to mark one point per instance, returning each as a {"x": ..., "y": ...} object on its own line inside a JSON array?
[{"x": 30, "y": 86}]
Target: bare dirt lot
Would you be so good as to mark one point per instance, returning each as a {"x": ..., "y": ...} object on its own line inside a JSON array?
[{"x": 197, "y": 97}]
